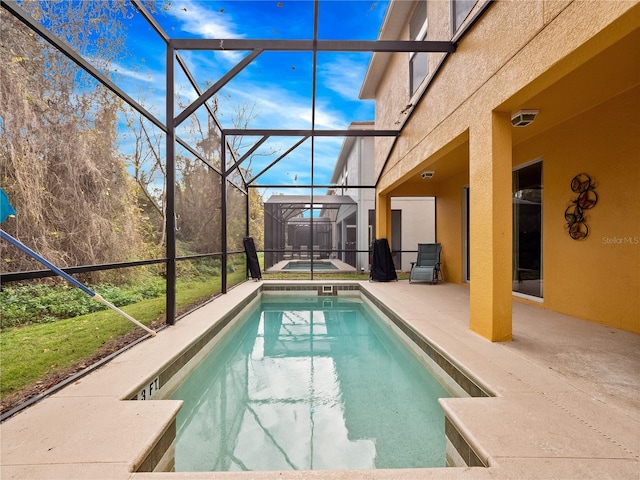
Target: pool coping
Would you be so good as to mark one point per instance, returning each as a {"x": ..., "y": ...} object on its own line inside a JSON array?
[
  {"x": 35, "y": 444},
  {"x": 340, "y": 266}
]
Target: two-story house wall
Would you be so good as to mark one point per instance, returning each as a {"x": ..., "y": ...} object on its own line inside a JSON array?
[
  {"x": 413, "y": 217},
  {"x": 352, "y": 230},
  {"x": 531, "y": 128}
]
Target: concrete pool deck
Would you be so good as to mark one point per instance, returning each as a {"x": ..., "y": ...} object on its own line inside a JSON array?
[{"x": 566, "y": 405}]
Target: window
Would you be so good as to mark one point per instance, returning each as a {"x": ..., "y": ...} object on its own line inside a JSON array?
[
  {"x": 418, "y": 61},
  {"x": 459, "y": 11}
]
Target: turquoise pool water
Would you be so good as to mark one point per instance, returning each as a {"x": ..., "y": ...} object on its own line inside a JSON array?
[
  {"x": 306, "y": 265},
  {"x": 309, "y": 383}
]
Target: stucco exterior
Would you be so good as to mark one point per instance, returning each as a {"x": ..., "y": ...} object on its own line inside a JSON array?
[
  {"x": 355, "y": 167},
  {"x": 578, "y": 64}
]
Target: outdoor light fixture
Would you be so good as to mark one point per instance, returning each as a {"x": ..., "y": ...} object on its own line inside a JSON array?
[
  {"x": 522, "y": 118},
  {"x": 427, "y": 175}
]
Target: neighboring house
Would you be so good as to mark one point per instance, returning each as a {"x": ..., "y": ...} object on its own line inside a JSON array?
[
  {"x": 546, "y": 211},
  {"x": 413, "y": 217},
  {"x": 290, "y": 232}
]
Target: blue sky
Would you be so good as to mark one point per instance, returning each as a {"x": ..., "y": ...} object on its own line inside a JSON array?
[{"x": 277, "y": 84}]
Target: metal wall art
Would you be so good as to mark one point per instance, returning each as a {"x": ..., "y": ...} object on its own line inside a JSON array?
[{"x": 586, "y": 199}]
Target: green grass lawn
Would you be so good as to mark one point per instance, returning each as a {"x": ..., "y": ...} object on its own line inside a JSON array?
[{"x": 28, "y": 354}]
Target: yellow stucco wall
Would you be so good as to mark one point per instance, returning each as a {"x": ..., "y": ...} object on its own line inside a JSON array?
[
  {"x": 597, "y": 278},
  {"x": 522, "y": 55},
  {"x": 452, "y": 166},
  {"x": 449, "y": 225},
  {"x": 509, "y": 56}
]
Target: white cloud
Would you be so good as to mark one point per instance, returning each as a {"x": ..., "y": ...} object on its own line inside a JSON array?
[
  {"x": 343, "y": 76},
  {"x": 287, "y": 109},
  {"x": 203, "y": 22},
  {"x": 141, "y": 75},
  {"x": 196, "y": 18},
  {"x": 122, "y": 71}
]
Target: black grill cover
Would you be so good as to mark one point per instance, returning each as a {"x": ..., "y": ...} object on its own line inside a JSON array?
[
  {"x": 382, "y": 268},
  {"x": 252, "y": 258}
]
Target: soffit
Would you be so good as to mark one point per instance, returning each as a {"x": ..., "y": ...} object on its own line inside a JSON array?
[
  {"x": 606, "y": 75},
  {"x": 611, "y": 72}
]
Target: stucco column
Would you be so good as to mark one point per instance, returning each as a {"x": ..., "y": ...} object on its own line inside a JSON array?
[
  {"x": 490, "y": 217},
  {"x": 383, "y": 217}
]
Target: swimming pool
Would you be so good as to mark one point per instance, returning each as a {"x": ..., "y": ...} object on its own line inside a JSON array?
[
  {"x": 309, "y": 383},
  {"x": 306, "y": 265}
]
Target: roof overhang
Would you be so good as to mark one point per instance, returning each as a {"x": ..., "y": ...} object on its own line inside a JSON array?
[
  {"x": 394, "y": 22},
  {"x": 345, "y": 150}
]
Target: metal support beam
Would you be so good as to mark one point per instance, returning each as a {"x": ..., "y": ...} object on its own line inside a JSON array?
[
  {"x": 223, "y": 215},
  {"x": 314, "y": 45},
  {"x": 211, "y": 91},
  {"x": 237, "y": 187},
  {"x": 196, "y": 154},
  {"x": 247, "y": 229},
  {"x": 240, "y": 172},
  {"x": 246, "y": 155},
  {"x": 314, "y": 83},
  {"x": 64, "y": 48},
  {"x": 195, "y": 86},
  {"x": 170, "y": 211},
  {"x": 240, "y": 189},
  {"x": 277, "y": 160},
  {"x": 311, "y": 133},
  {"x": 337, "y": 187},
  {"x": 150, "y": 19}
]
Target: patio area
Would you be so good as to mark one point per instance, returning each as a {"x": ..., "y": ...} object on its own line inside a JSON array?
[
  {"x": 135, "y": 131},
  {"x": 565, "y": 402},
  {"x": 297, "y": 265}
]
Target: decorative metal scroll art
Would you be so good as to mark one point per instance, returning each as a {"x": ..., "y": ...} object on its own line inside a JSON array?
[{"x": 586, "y": 199}]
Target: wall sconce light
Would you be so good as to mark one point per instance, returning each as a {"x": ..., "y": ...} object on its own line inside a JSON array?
[
  {"x": 522, "y": 118},
  {"x": 427, "y": 175}
]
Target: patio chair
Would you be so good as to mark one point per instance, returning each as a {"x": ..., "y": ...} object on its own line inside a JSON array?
[
  {"x": 304, "y": 252},
  {"x": 316, "y": 252},
  {"x": 288, "y": 252},
  {"x": 426, "y": 268}
]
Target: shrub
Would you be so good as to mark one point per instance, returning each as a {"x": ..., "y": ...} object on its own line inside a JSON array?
[{"x": 46, "y": 302}]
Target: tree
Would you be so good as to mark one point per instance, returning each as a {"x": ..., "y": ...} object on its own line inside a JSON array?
[
  {"x": 198, "y": 212},
  {"x": 198, "y": 205},
  {"x": 60, "y": 164},
  {"x": 148, "y": 170}
]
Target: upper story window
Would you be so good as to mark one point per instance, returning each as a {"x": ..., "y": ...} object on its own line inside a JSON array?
[
  {"x": 418, "y": 61},
  {"x": 459, "y": 11}
]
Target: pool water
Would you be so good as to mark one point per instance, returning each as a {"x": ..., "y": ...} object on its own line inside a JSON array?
[
  {"x": 304, "y": 265},
  {"x": 309, "y": 383}
]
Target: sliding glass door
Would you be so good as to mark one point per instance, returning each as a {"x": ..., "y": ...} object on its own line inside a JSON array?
[{"x": 527, "y": 229}]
